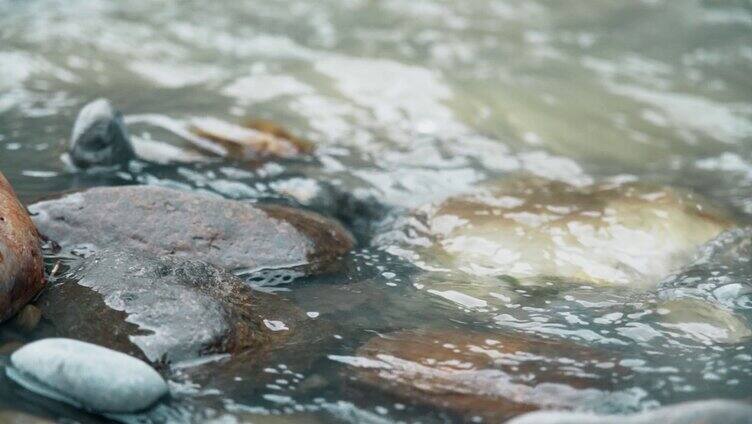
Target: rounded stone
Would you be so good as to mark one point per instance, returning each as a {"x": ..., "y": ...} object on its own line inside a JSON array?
[
  {"x": 21, "y": 266},
  {"x": 527, "y": 228},
  {"x": 164, "y": 222},
  {"x": 99, "y": 137},
  {"x": 86, "y": 376}
]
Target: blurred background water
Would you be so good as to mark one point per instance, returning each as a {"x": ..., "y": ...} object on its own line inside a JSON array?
[{"x": 411, "y": 102}]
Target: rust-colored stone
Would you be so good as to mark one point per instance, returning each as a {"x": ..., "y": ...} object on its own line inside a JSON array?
[
  {"x": 21, "y": 267},
  {"x": 257, "y": 138},
  {"x": 493, "y": 376},
  {"x": 276, "y": 130}
]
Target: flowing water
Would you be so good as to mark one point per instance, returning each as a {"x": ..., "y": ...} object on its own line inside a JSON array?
[{"x": 410, "y": 102}]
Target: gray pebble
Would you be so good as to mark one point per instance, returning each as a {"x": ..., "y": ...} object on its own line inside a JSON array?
[{"x": 87, "y": 376}]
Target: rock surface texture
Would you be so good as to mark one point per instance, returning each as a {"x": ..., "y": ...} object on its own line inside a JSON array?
[
  {"x": 86, "y": 376},
  {"x": 163, "y": 310},
  {"x": 21, "y": 267},
  {"x": 164, "y": 222}
]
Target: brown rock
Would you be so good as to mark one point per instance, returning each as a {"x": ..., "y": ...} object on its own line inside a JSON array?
[
  {"x": 276, "y": 130},
  {"x": 27, "y": 318},
  {"x": 21, "y": 267},
  {"x": 163, "y": 222},
  {"x": 258, "y": 138},
  {"x": 10, "y": 347},
  {"x": 493, "y": 376}
]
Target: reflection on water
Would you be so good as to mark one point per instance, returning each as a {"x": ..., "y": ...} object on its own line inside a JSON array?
[{"x": 409, "y": 103}]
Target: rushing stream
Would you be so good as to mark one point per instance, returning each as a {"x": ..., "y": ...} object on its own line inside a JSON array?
[{"x": 409, "y": 103}]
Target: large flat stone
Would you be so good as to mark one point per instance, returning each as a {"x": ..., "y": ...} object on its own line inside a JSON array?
[{"x": 164, "y": 222}]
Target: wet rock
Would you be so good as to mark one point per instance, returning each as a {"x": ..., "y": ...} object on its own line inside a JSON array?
[
  {"x": 21, "y": 268},
  {"x": 10, "y": 347},
  {"x": 16, "y": 417},
  {"x": 529, "y": 228},
  {"x": 99, "y": 137},
  {"x": 700, "y": 412},
  {"x": 165, "y": 222},
  {"x": 159, "y": 152},
  {"x": 278, "y": 131},
  {"x": 279, "y": 418},
  {"x": 312, "y": 383},
  {"x": 163, "y": 309},
  {"x": 27, "y": 318},
  {"x": 492, "y": 376},
  {"x": 86, "y": 376},
  {"x": 703, "y": 321},
  {"x": 257, "y": 138},
  {"x": 719, "y": 273},
  {"x": 299, "y": 418},
  {"x": 357, "y": 210},
  {"x": 709, "y": 298}
]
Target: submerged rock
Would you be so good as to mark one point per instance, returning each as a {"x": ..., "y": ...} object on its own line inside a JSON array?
[
  {"x": 21, "y": 267},
  {"x": 492, "y": 376},
  {"x": 699, "y": 412},
  {"x": 165, "y": 222},
  {"x": 719, "y": 273},
  {"x": 257, "y": 138},
  {"x": 162, "y": 309},
  {"x": 703, "y": 321},
  {"x": 99, "y": 137},
  {"x": 16, "y": 417},
  {"x": 527, "y": 228},
  {"x": 86, "y": 376},
  {"x": 709, "y": 298}
]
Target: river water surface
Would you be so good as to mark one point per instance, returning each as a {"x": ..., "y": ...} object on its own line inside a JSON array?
[{"x": 409, "y": 102}]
